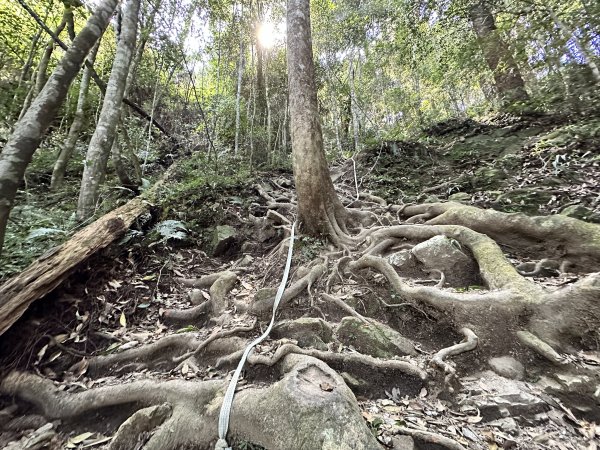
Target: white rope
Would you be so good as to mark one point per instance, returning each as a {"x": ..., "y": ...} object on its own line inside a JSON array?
[
  {"x": 355, "y": 179},
  {"x": 228, "y": 400}
]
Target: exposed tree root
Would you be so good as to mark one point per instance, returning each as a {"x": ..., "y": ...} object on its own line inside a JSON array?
[
  {"x": 557, "y": 235},
  {"x": 540, "y": 347},
  {"x": 213, "y": 337},
  {"x": 263, "y": 306},
  {"x": 343, "y": 305},
  {"x": 311, "y": 405},
  {"x": 220, "y": 285},
  {"x": 341, "y": 360},
  {"x": 166, "y": 353},
  {"x": 432, "y": 438},
  {"x": 439, "y": 359}
]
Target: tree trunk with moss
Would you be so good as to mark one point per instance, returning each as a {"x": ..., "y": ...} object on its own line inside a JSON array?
[
  {"x": 28, "y": 131},
  {"x": 507, "y": 76},
  {"x": 60, "y": 166},
  {"x": 103, "y": 137},
  {"x": 319, "y": 208}
]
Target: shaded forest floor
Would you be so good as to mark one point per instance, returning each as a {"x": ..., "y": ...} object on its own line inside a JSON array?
[{"x": 134, "y": 293}]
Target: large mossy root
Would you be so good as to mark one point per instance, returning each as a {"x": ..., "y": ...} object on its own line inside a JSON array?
[{"x": 311, "y": 406}]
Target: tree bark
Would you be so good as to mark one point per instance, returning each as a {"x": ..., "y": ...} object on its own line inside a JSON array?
[
  {"x": 318, "y": 205},
  {"x": 28, "y": 131},
  {"x": 102, "y": 139},
  {"x": 238, "y": 97},
  {"x": 353, "y": 106},
  {"x": 507, "y": 77},
  {"x": 60, "y": 166}
]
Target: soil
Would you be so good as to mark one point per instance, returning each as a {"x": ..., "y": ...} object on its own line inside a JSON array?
[{"x": 144, "y": 311}]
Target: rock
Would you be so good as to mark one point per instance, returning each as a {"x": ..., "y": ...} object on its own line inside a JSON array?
[
  {"x": 440, "y": 252},
  {"x": 353, "y": 382},
  {"x": 582, "y": 213},
  {"x": 507, "y": 367},
  {"x": 308, "y": 331},
  {"x": 223, "y": 236},
  {"x": 499, "y": 397},
  {"x": 377, "y": 339},
  {"x": 245, "y": 261},
  {"x": 526, "y": 200},
  {"x": 196, "y": 297},
  {"x": 461, "y": 197},
  {"x": 399, "y": 259},
  {"x": 446, "y": 255},
  {"x": 141, "y": 422},
  {"x": 507, "y": 424},
  {"x": 403, "y": 443},
  {"x": 248, "y": 247},
  {"x": 579, "y": 392},
  {"x": 488, "y": 176},
  {"x": 431, "y": 199}
]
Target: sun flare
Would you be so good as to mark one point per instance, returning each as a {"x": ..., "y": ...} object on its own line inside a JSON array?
[{"x": 266, "y": 35}]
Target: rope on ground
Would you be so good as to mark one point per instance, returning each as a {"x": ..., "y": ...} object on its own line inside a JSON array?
[{"x": 228, "y": 400}]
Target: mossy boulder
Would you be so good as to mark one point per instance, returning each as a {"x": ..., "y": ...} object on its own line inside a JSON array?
[
  {"x": 460, "y": 197},
  {"x": 375, "y": 339},
  {"x": 442, "y": 253},
  {"x": 308, "y": 331},
  {"x": 582, "y": 213},
  {"x": 222, "y": 238},
  {"x": 527, "y": 200}
]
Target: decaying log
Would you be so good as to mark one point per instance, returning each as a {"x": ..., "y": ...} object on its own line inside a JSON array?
[{"x": 51, "y": 269}]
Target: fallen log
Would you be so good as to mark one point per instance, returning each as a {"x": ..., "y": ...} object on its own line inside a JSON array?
[{"x": 51, "y": 269}]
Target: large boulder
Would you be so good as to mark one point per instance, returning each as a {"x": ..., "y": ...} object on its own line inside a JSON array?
[
  {"x": 446, "y": 255},
  {"x": 222, "y": 238},
  {"x": 308, "y": 331},
  {"x": 375, "y": 339}
]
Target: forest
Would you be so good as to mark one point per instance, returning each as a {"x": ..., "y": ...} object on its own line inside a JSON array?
[{"x": 295, "y": 224}]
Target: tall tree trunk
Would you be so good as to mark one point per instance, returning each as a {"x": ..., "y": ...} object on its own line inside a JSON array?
[
  {"x": 60, "y": 166},
  {"x": 238, "y": 96},
  {"x": 353, "y": 106},
  {"x": 507, "y": 77},
  {"x": 102, "y": 139},
  {"x": 28, "y": 131},
  {"x": 319, "y": 208},
  {"x": 124, "y": 152},
  {"x": 261, "y": 153}
]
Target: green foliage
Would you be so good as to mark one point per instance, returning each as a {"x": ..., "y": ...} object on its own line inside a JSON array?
[
  {"x": 246, "y": 445},
  {"x": 308, "y": 247},
  {"x": 170, "y": 229}
]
